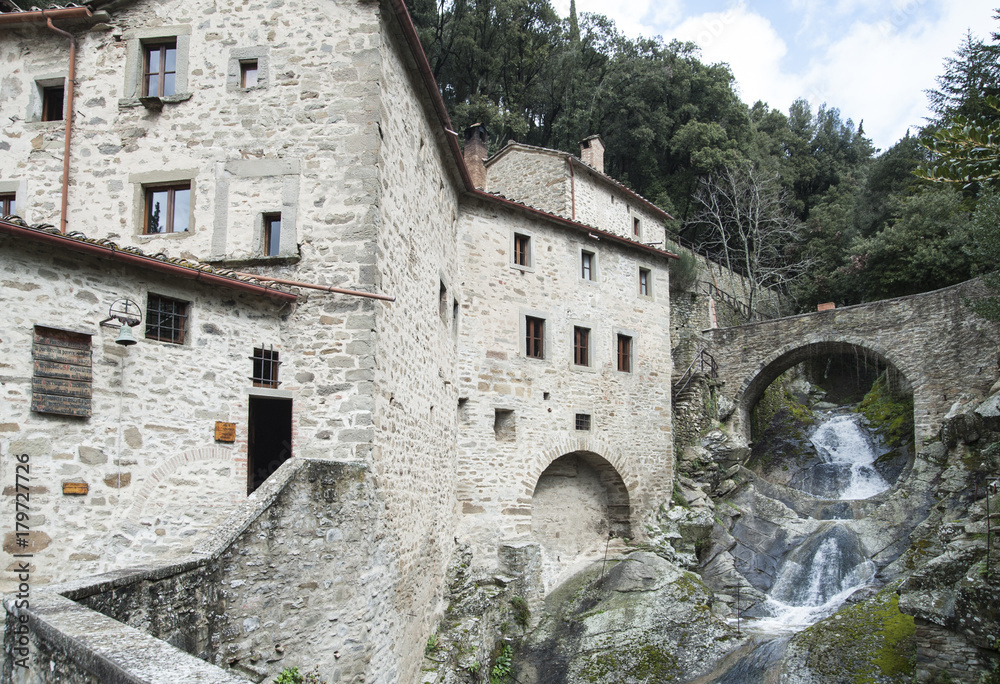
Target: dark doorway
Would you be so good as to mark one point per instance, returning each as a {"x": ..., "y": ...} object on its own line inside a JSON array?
[{"x": 269, "y": 443}]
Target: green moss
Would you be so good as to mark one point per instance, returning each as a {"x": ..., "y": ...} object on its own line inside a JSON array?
[
  {"x": 864, "y": 643},
  {"x": 891, "y": 413},
  {"x": 646, "y": 663}
]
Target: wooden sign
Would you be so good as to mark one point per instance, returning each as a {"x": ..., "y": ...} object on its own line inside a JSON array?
[
  {"x": 77, "y": 488},
  {"x": 828, "y": 306},
  {"x": 225, "y": 432},
  {"x": 62, "y": 379}
]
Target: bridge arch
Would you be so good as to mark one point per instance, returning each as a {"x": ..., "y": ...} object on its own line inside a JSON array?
[{"x": 780, "y": 360}]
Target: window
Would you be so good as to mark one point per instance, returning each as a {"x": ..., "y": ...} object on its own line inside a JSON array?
[
  {"x": 52, "y": 103},
  {"x": 272, "y": 234},
  {"x": 168, "y": 209},
  {"x": 522, "y": 250},
  {"x": 581, "y": 346},
  {"x": 159, "y": 69},
  {"x": 636, "y": 225},
  {"x": 265, "y": 367},
  {"x": 534, "y": 337},
  {"x": 166, "y": 319},
  {"x": 587, "y": 265},
  {"x": 8, "y": 204},
  {"x": 583, "y": 421},
  {"x": 443, "y": 301},
  {"x": 248, "y": 73},
  {"x": 624, "y": 353},
  {"x": 644, "y": 282}
]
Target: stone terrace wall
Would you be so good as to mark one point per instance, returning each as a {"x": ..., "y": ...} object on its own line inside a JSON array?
[
  {"x": 152, "y": 433},
  {"x": 315, "y": 600},
  {"x": 631, "y": 420},
  {"x": 943, "y": 652}
]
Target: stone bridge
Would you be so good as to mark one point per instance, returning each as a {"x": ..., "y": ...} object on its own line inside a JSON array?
[{"x": 942, "y": 349}]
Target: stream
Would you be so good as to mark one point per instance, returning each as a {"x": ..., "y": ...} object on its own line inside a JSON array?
[{"x": 817, "y": 576}]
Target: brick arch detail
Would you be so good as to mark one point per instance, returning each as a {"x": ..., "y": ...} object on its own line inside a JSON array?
[
  {"x": 544, "y": 458},
  {"x": 170, "y": 466}
]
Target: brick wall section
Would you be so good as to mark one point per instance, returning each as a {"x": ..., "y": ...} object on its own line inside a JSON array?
[
  {"x": 155, "y": 432},
  {"x": 938, "y": 345},
  {"x": 631, "y": 422}
]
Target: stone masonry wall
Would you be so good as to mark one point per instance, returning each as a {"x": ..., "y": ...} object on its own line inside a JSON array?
[
  {"x": 153, "y": 430},
  {"x": 501, "y": 456},
  {"x": 943, "y": 652},
  {"x": 535, "y": 176},
  {"x": 605, "y": 205},
  {"x": 416, "y": 351}
]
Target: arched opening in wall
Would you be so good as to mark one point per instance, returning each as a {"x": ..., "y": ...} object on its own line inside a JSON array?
[
  {"x": 832, "y": 419},
  {"x": 579, "y": 508}
]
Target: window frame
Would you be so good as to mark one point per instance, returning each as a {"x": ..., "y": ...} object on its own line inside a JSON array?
[
  {"x": 637, "y": 227},
  {"x": 162, "y": 46},
  {"x": 266, "y": 367},
  {"x": 136, "y": 40},
  {"x": 149, "y": 190},
  {"x": 245, "y": 70},
  {"x": 47, "y": 104},
  {"x": 583, "y": 422},
  {"x": 8, "y": 204},
  {"x": 177, "y": 331},
  {"x": 625, "y": 352},
  {"x": 270, "y": 247},
  {"x": 534, "y": 338},
  {"x": 528, "y": 253},
  {"x": 645, "y": 285},
  {"x": 588, "y": 271},
  {"x": 582, "y": 349}
]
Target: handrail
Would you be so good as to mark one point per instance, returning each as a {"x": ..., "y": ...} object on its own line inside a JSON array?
[
  {"x": 732, "y": 301},
  {"x": 705, "y": 360}
]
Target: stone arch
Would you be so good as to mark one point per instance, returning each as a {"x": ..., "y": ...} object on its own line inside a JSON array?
[
  {"x": 613, "y": 456},
  {"x": 176, "y": 463},
  {"x": 777, "y": 362}
]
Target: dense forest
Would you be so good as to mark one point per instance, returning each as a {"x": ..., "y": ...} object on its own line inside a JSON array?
[{"x": 798, "y": 200}]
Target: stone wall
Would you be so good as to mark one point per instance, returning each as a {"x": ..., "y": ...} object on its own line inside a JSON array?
[
  {"x": 314, "y": 601},
  {"x": 518, "y": 414},
  {"x": 943, "y": 652},
  {"x": 154, "y": 410},
  {"x": 536, "y": 176}
]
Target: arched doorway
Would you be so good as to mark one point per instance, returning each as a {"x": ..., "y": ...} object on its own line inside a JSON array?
[{"x": 578, "y": 504}]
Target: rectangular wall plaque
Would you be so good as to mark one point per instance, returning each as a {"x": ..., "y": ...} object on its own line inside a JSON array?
[
  {"x": 75, "y": 488},
  {"x": 225, "y": 432}
]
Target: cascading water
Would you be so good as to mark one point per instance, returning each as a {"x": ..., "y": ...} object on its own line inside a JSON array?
[{"x": 848, "y": 453}]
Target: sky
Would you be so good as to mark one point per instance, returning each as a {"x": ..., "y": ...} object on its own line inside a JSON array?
[{"x": 871, "y": 59}]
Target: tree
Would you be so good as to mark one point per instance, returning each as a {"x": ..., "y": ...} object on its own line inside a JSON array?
[
  {"x": 969, "y": 78},
  {"x": 984, "y": 245},
  {"x": 966, "y": 151},
  {"x": 744, "y": 215}
]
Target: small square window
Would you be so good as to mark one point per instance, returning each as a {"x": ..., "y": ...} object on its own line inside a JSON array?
[
  {"x": 534, "y": 337},
  {"x": 52, "y": 103},
  {"x": 159, "y": 69},
  {"x": 581, "y": 346},
  {"x": 587, "y": 265},
  {"x": 583, "y": 421},
  {"x": 8, "y": 204},
  {"x": 248, "y": 73},
  {"x": 166, "y": 319},
  {"x": 522, "y": 250},
  {"x": 645, "y": 288},
  {"x": 265, "y": 367},
  {"x": 168, "y": 209},
  {"x": 624, "y": 353},
  {"x": 272, "y": 234}
]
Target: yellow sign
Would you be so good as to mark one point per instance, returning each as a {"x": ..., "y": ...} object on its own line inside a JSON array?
[{"x": 225, "y": 432}]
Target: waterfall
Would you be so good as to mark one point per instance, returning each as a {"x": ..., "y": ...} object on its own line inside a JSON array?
[{"x": 848, "y": 467}]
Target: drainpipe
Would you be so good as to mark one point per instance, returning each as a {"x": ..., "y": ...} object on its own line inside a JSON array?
[
  {"x": 70, "y": 87},
  {"x": 10, "y": 18},
  {"x": 572, "y": 187}
]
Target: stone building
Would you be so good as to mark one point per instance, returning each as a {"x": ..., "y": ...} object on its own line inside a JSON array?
[{"x": 277, "y": 187}]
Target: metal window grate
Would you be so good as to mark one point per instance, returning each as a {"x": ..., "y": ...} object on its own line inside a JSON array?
[
  {"x": 166, "y": 319},
  {"x": 265, "y": 367},
  {"x": 583, "y": 421}
]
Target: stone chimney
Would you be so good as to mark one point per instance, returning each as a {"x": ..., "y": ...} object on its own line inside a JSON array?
[
  {"x": 592, "y": 152},
  {"x": 475, "y": 153}
]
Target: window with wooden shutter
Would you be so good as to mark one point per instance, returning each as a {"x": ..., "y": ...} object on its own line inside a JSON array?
[{"x": 62, "y": 377}]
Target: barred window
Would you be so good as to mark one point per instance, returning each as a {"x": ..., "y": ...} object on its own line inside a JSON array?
[
  {"x": 265, "y": 367},
  {"x": 166, "y": 319},
  {"x": 583, "y": 421}
]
